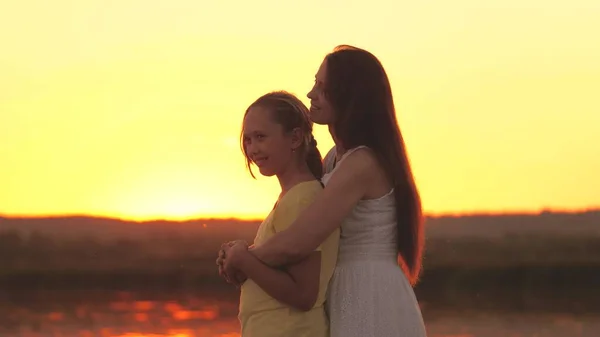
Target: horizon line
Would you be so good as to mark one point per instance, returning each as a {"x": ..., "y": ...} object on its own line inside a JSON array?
[{"x": 254, "y": 219}]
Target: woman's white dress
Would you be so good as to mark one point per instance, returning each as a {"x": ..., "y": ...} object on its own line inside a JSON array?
[{"x": 369, "y": 295}]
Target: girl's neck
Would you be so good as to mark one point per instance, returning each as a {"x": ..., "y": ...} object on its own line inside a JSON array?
[{"x": 293, "y": 176}]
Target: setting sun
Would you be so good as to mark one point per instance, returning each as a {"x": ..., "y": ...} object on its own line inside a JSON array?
[{"x": 133, "y": 108}]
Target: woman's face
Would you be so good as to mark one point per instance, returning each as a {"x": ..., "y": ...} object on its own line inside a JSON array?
[{"x": 321, "y": 111}]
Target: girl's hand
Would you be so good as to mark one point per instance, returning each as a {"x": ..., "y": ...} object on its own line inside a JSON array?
[
  {"x": 233, "y": 256},
  {"x": 234, "y": 277}
]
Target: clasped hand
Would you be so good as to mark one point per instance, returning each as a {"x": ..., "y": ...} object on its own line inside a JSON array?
[{"x": 228, "y": 259}]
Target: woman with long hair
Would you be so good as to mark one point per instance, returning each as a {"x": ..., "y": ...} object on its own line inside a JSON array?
[{"x": 370, "y": 194}]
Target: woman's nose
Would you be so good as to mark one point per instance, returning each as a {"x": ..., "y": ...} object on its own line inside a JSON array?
[{"x": 310, "y": 94}]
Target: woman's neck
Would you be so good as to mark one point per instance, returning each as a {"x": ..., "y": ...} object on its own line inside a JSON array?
[{"x": 339, "y": 149}]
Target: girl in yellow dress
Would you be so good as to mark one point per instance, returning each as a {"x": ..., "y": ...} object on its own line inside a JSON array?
[{"x": 277, "y": 138}]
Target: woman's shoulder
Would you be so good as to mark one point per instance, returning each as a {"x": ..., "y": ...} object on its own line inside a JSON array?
[
  {"x": 356, "y": 171},
  {"x": 359, "y": 159}
]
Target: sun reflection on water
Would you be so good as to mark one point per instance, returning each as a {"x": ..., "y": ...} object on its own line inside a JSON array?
[{"x": 120, "y": 316}]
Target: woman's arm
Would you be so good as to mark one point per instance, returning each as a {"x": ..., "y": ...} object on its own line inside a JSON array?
[
  {"x": 298, "y": 287},
  {"x": 345, "y": 188}
]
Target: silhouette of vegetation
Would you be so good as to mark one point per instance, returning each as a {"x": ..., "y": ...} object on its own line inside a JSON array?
[{"x": 482, "y": 259}]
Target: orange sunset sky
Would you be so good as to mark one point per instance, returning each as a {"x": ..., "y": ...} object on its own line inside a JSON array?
[{"x": 133, "y": 108}]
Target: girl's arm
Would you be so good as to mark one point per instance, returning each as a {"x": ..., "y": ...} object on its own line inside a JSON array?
[
  {"x": 344, "y": 190},
  {"x": 297, "y": 286}
]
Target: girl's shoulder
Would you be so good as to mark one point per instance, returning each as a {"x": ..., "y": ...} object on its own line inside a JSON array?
[
  {"x": 297, "y": 199},
  {"x": 300, "y": 195},
  {"x": 305, "y": 189}
]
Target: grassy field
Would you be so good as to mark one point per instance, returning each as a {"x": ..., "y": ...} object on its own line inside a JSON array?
[
  {"x": 526, "y": 269},
  {"x": 193, "y": 256}
]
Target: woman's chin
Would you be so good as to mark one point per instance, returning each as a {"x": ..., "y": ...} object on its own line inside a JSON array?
[{"x": 317, "y": 118}]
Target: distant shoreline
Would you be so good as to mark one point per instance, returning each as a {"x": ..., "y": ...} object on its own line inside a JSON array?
[{"x": 433, "y": 215}]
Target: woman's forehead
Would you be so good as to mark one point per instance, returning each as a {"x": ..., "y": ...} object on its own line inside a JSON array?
[{"x": 320, "y": 75}]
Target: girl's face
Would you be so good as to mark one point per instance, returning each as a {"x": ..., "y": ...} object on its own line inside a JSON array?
[{"x": 267, "y": 145}]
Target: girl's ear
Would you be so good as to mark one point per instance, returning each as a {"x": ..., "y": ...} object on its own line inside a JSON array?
[{"x": 297, "y": 138}]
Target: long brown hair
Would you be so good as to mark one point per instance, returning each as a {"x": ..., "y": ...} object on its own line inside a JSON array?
[
  {"x": 288, "y": 111},
  {"x": 359, "y": 91}
]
